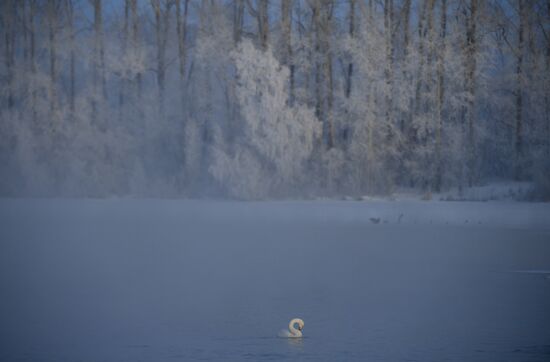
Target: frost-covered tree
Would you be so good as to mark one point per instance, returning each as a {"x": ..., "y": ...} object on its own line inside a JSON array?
[
  {"x": 275, "y": 140},
  {"x": 168, "y": 97}
]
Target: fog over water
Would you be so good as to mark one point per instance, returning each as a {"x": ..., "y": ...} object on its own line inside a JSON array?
[{"x": 153, "y": 280}]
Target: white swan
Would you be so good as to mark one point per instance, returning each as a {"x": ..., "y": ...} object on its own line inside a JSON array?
[{"x": 293, "y": 332}]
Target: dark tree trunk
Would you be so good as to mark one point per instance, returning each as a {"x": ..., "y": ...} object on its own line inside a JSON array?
[
  {"x": 422, "y": 30},
  {"x": 98, "y": 75},
  {"x": 32, "y": 54},
  {"x": 547, "y": 90},
  {"x": 440, "y": 96},
  {"x": 70, "y": 15},
  {"x": 135, "y": 45},
  {"x": 262, "y": 19},
  {"x": 471, "y": 64},
  {"x": 389, "y": 66},
  {"x": 182, "y": 36},
  {"x": 286, "y": 43},
  {"x": 519, "y": 91},
  {"x": 162, "y": 16},
  {"x": 406, "y": 27},
  {"x": 52, "y": 38},
  {"x": 9, "y": 16},
  {"x": 238, "y": 17},
  {"x": 322, "y": 18},
  {"x": 351, "y": 30}
]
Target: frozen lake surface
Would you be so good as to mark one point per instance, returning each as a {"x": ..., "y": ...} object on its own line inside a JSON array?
[{"x": 159, "y": 280}]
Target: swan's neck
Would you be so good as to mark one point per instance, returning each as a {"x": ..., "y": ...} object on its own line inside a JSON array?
[{"x": 294, "y": 331}]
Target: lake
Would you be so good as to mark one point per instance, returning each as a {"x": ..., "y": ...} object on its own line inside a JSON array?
[{"x": 166, "y": 280}]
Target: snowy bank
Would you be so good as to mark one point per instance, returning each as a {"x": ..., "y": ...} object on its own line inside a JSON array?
[{"x": 377, "y": 213}]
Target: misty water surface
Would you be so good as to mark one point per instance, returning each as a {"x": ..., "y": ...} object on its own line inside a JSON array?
[{"x": 130, "y": 280}]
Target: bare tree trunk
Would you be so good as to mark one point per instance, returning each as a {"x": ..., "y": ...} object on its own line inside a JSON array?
[
  {"x": 429, "y": 97},
  {"x": 162, "y": 16},
  {"x": 519, "y": 91},
  {"x": 32, "y": 54},
  {"x": 52, "y": 24},
  {"x": 286, "y": 43},
  {"x": 238, "y": 17},
  {"x": 440, "y": 95},
  {"x": 328, "y": 70},
  {"x": 370, "y": 168},
  {"x": 471, "y": 64},
  {"x": 125, "y": 38},
  {"x": 532, "y": 48},
  {"x": 431, "y": 49},
  {"x": 389, "y": 66},
  {"x": 547, "y": 87},
  {"x": 417, "y": 140},
  {"x": 98, "y": 79},
  {"x": 9, "y": 47},
  {"x": 322, "y": 17},
  {"x": 406, "y": 117},
  {"x": 315, "y": 24},
  {"x": 182, "y": 36},
  {"x": 406, "y": 22},
  {"x": 305, "y": 35},
  {"x": 263, "y": 22},
  {"x": 421, "y": 45},
  {"x": 70, "y": 15},
  {"x": 135, "y": 44},
  {"x": 262, "y": 18},
  {"x": 98, "y": 29},
  {"x": 330, "y": 98},
  {"x": 181, "y": 28},
  {"x": 351, "y": 30}
]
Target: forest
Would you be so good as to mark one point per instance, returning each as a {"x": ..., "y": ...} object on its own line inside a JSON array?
[{"x": 258, "y": 99}]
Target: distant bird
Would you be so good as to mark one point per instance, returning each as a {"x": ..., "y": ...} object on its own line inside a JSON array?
[
  {"x": 292, "y": 331},
  {"x": 400, "y": 217},
  {"x": 375, "y": 220}
]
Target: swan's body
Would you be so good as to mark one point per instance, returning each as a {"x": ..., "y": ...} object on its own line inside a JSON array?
[{"x": 292, "y": 331}]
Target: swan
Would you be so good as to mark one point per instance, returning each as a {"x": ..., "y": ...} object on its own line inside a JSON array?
[{"x": 293, "y": 332}]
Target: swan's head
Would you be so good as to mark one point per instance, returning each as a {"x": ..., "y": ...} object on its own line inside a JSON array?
[{"x": 299, "y": 322}]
